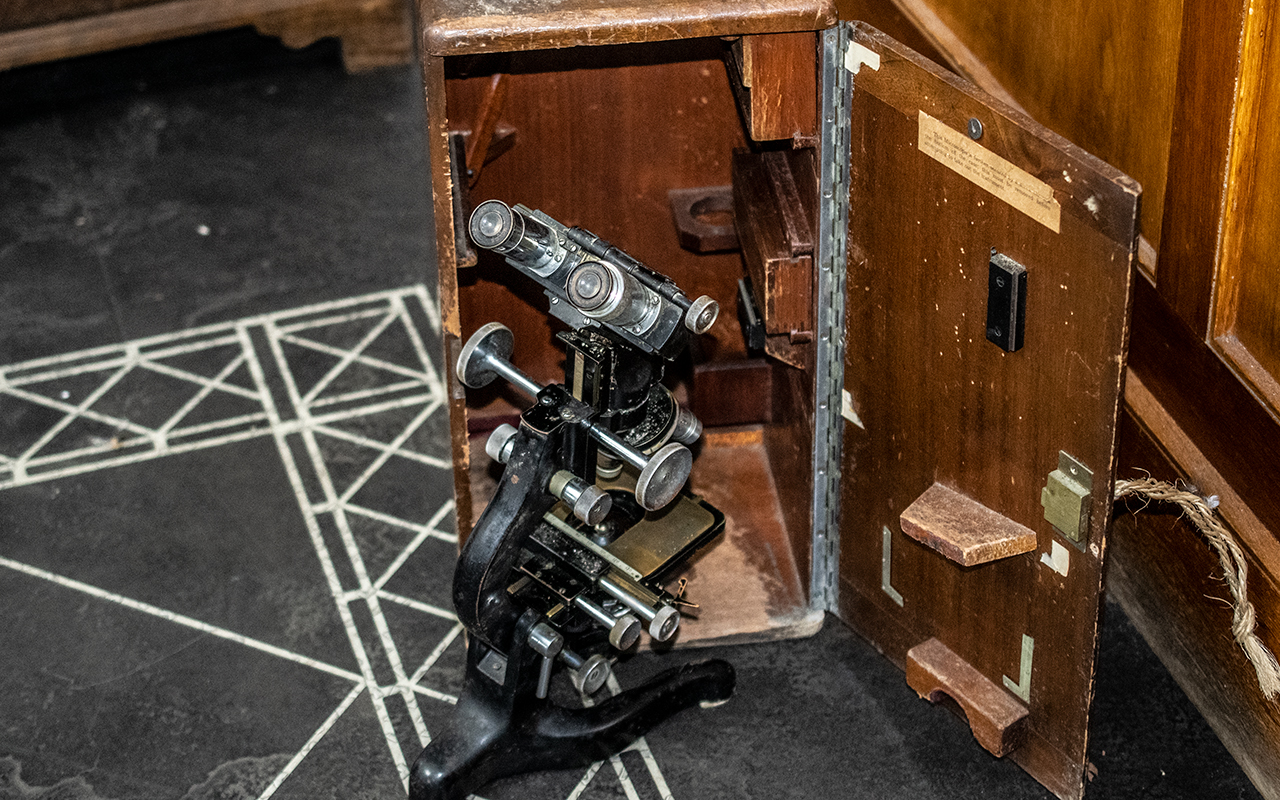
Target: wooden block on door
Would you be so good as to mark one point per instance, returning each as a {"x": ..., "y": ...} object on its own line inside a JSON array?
[
  {"x": 998, "y": 721},
  {"x": 964, "y": 530}
]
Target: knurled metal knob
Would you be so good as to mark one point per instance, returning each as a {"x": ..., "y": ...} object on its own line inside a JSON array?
[
  {"x": 500, "y": 442},
  {"x": 702, "y": 314},
  {"x": 663, "y": 476}
]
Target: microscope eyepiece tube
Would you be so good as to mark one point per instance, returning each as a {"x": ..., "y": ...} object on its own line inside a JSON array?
[{"x": 496, "y": 226}]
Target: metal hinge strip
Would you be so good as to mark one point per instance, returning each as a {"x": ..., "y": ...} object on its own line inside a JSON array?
[{"x": 833, "y": 227}]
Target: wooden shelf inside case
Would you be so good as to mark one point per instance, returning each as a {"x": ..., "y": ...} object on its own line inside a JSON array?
[{"x": 746, "y": 584}]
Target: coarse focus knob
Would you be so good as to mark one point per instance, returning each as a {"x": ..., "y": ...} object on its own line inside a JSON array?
[
  {"x": 592, "y": 505},
  {"x": 702, "y": 314},
  {"x": 500, "y": 442},
  {"x": 663, "y": 619},
  {"x": 662, "y": 475},
  {"x": 588, "y": 674},
  {"x": 485, "y": 357},
  {"x": 624, "y": 631}
]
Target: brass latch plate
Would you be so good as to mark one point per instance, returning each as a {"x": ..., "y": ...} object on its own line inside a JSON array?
[{"x": 1065, "y": 498}]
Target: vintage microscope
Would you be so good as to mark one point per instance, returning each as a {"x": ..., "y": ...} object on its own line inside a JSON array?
[{"x": 568, "y": 562}]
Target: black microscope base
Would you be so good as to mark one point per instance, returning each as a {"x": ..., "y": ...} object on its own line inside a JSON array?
[{"x": 496, "y": 732}]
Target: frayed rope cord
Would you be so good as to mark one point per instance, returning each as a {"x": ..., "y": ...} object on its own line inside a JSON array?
[{"x": 1200, "y": 511}]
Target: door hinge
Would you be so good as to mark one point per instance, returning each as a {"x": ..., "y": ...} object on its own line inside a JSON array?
[{"x": 833, "y": 226}]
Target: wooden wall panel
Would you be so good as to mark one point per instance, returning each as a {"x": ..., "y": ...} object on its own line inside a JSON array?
[
  {"x": 940, "y": 403},
  {"x": 1194, "y": 205},
  {"x": 1247, "y": 290}
]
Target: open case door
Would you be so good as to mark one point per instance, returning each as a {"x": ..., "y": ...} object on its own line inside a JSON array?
[{"x": 987, "y": 298}]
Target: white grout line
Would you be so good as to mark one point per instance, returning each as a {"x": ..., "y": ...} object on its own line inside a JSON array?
[
  {"x": 418, "y": 605},
  {"x": 368, "y": 361},
  {"x": 641, "y": 746},
  {"x": 427, "y": 530},
  {"x": 347, "y": 358},
  {"x": 205, "y": 427},
  {"x": 317, "y": 539},
  {"x": 336, "y": 319},
  {"x": 115, "y": 355},
  {"x": 216, "y": 382},
  {"x": 176, "y": 618},
  {"x": 585, "y": 782},
  {"x": 72, "y": 412},
  {"x": 205, "y": 390},
  {"x": 376, "y": 408},
  {"x": 361, "y": 394},
  {"x": 429, "y": 305},
  {"x": 620, "y": 770},
  {"x": 423, "y": 533},
  {"x": 416, "y": 337},
  {"x": 441, "y": 646},
  {"x": 132, "y": 458},
  {"x": 426, "y": 691},
  {"x": 387, "y": 451},
  {"x": 311, "y": 743}
]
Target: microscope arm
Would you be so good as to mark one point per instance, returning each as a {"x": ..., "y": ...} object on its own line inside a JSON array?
[{"x": 484, "y": 568}]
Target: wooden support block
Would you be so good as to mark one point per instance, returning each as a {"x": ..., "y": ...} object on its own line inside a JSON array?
[
  {"x": 774, "y": 220},
  {"x": 704, "y": 218},
  {"x": 964, "y": 530},
  {"x": 998, "y": 721},
  {"x": 732, "y": 392},
  {"x": 776, "y": 84}
]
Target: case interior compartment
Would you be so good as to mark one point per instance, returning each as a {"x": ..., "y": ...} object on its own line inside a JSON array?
[{"x": 598, "y": 138}]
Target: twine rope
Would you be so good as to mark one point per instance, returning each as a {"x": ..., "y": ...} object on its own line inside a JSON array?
[{"x": 1200, "y": 511}]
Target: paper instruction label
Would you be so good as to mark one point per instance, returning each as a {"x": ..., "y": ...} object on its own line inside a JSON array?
[{"x": 1005, "y": 180}]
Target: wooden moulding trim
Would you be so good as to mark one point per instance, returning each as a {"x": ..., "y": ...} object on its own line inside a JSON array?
[
  {"x": 1250, "y": 530},
  {"x": 998, "y": 721},
  {"x": 964, "y": 530},
  {"x": 134, "y": 26},
  {"x": 553, "y": 29},
  {"x": 1251, "y": 371},
  {"x": 959, "y": 57}
]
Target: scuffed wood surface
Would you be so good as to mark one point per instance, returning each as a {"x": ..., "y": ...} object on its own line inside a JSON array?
[
  {"x": 964, "y": 530},
  {"x": 747, "y": 585},
  {"x": 374, "y": 33},
  {"x": 453, "y": 27},
  {"x": 941, "y": 404}
]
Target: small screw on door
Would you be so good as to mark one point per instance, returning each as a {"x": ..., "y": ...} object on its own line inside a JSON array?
[{"x": 975, "y": 128}]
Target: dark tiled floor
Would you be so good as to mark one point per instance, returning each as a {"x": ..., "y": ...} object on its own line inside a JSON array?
[{"x": 225, "y": 550}]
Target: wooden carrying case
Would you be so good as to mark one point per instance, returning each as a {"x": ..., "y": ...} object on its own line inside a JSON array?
[{"x": 898, "y": 455}]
